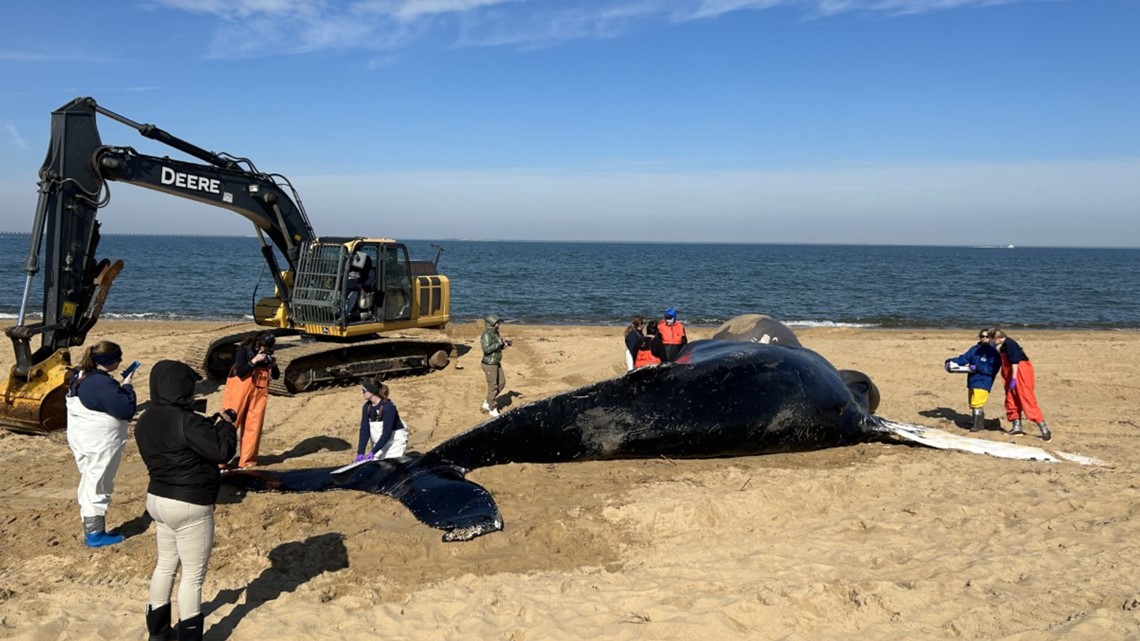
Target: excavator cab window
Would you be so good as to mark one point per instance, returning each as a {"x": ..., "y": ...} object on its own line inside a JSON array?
[
  {"x": 397, "y": 283},
  {"x": 360, "y": 282}
]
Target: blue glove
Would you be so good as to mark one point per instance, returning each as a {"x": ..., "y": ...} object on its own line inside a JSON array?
[
  {"x": 363, "y": 457},
  {"x": 1013, "y": 384}
]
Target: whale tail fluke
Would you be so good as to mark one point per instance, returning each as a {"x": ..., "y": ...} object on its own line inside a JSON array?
[
  {"x": 433, "y": 489},
  {"x": 942, "y": 440},
  {"x": 437, "y": 494}
]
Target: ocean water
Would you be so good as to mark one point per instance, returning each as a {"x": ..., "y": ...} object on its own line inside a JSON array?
[{"x": 198, "y": 277}]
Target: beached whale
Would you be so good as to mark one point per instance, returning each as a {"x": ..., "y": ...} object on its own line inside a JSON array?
[
  {"x": 719, "y": 398},
  {"x": 757, "y": 328}
]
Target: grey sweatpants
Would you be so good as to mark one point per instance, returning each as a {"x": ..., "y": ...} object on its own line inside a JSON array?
[
  {"x": 185, "y": 536},
  {"x": 496, "y": 381}
]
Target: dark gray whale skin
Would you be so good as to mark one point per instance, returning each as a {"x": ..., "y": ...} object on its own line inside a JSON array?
[
  {"x": 719, "y": 398},
  {"x": 757, "y": 328}
]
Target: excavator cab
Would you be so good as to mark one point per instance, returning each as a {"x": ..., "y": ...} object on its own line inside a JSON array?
[
  {"x": 347, "y": 287},
  {"x": 360, "y": 306}
]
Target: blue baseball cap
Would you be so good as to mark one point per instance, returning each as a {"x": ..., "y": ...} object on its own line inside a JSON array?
[{"x": 670, "y": 313}]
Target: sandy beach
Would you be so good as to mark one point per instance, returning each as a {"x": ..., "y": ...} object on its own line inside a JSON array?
[{"x": 874, "y": 541}]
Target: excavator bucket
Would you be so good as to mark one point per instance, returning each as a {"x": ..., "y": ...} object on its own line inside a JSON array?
[{"x": 36, "y": 405}]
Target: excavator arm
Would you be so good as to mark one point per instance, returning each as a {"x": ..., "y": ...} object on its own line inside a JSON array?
[{"x": 72, "y": 188}]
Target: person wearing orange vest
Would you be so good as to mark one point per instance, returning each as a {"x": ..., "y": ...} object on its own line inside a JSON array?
[
  {"x": 649, "y": 349},
  {"x": 672, "y": 333}
]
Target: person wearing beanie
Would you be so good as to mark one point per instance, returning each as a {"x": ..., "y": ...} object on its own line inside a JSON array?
[
  {"x": 380, "y": 423},
  {"x": 247, "y": 392},
  {"x": 672, "y": 334}
]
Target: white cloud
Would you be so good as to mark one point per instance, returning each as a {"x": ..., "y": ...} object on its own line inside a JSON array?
[
  {"x": 10, "y": 55},
  {"x": 267, "y": 27},
  {"x": 14, "y": 133}
]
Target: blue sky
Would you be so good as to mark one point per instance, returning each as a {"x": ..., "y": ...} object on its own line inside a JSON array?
[{"x": 834, "y": 121}]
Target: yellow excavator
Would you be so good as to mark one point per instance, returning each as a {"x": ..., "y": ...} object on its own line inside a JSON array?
[{"x": 343, "y": 308}]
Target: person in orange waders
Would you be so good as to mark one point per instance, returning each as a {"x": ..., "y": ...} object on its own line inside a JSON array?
[
  {"x": 247, "y": 392},
  {"x": 1020, "y": 398},
  {"x": 649, "y": 348},
  {"x": 672, "y": 333}
]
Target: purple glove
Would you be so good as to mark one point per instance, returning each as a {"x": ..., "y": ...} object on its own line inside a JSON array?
[
  {"x": 1013, "y": 384},
  {"x": 946, "y": 365},
  {"x": 973, "y": 368},
  {"x": 363, "y": 457}
]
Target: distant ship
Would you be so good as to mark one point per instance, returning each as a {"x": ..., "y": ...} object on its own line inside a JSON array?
[{"x": 1009, "y": 247}]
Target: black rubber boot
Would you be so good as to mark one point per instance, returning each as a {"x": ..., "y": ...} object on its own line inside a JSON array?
[
  {"x": 1046, "y": 435},
  {"x": 190, "y": 629},
  {"x": 158, "y": 623},
  {"x": 1015, "y": 427},
  {"x": 979, "y": 420}
]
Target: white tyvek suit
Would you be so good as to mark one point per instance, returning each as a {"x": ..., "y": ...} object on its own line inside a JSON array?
[{"x": 97, "y": 440}]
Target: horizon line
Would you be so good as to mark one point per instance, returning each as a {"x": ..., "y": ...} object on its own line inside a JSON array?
[{"x": 633, "y": 242}]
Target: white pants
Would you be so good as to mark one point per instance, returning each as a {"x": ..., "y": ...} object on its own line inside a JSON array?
[
  {"x": 628, "y": 361},
  {"x": 185, "y": 536},
  {"x": 395, "y": 446},
  {"x": 97, "y": 441}
]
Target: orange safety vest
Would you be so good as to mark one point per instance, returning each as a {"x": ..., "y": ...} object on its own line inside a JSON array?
[
  {"x": 645, "y": 357},
  {"x": 671, "y": 335}
]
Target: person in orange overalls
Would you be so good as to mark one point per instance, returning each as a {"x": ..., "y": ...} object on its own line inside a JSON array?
[
  {"x": 1020, "y": 381},
  {"x": 672, "y": 333},
  {"x": 247, "y": 392},
  {"x": 649, "y": 348}
]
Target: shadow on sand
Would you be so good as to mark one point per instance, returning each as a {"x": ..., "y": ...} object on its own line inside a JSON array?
[{"x": 292, "y": 565}]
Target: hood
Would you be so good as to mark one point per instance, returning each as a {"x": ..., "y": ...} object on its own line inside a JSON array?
[
  {"x": 172, "y": 383},
  {"x": 491, "y": 319}
]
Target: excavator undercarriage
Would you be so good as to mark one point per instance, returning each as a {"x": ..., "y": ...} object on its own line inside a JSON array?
[{"x": 308, "y": 365}]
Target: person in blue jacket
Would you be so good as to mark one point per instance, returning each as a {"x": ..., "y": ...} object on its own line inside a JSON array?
[
  {"x": 98, "y": 408},
  {"x": 984, "y": 363},
  {"x": 380, "y": 422}
]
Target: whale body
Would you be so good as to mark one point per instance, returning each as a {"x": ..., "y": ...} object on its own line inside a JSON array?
[{"x": 719, "y": 398}]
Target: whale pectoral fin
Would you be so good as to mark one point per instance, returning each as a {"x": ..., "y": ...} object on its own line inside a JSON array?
[
  {"x": 437, "y": 494},
  {"x": 938, "y": 439}
]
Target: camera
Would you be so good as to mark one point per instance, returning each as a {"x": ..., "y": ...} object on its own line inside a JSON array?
[
  {"x": 506, "y": 342},
  {"x": 225, "y": 416}
]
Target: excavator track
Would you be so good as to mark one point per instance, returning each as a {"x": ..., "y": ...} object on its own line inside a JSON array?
[{"x": 308, "y": 365}]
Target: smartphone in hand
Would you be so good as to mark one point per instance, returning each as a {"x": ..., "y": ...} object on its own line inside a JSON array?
[{"x": 131, "y": 369}]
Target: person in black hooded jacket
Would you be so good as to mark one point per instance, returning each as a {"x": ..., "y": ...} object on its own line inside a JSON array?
[{"x": 182, "y": 451}]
